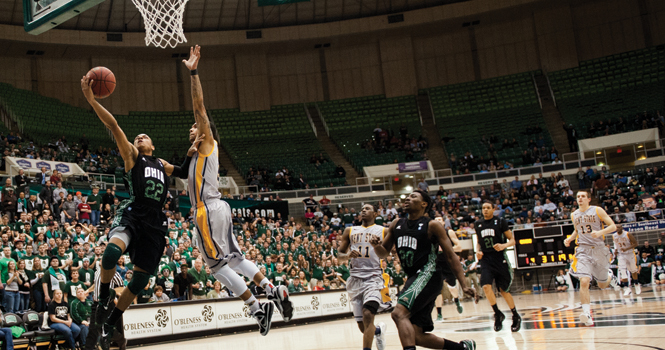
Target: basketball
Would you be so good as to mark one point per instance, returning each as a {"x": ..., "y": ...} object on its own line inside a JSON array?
[{"x": 103, "y": 81}]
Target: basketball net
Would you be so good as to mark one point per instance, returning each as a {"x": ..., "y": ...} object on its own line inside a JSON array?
[{"x": 163, "y": 21}]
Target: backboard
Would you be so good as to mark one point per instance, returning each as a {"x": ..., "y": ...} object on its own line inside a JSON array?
[{"x": 42, "y": 15}]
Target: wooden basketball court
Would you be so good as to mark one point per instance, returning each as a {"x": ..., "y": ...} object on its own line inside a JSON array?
[{"x": 550, "y": 321}]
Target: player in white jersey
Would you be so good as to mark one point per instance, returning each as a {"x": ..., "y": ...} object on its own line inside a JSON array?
[
  {"x": 592, "y": 257},
  {"x": 449, "y": 282},
  {"x": 366, "y": 281},
  {"x": 624, "y": 245},
  {"x": 214, "y": 225}
]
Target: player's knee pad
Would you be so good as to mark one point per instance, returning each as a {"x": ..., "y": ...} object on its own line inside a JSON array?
[
  {"x": 231, "y": 280},
  {"x": 371, "y": 306},
  {"x": 111, "y": 256},
  {"x": 246, "y": 268},
  {"x": 138, "y": 282}
]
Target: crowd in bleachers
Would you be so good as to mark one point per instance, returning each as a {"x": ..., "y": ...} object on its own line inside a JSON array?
[
  {"x": 282, "y": 179},
  {"x": 641, "y": 121},
  {"x": 536, "y": 153},
  {"x": 385, "y": 140}
]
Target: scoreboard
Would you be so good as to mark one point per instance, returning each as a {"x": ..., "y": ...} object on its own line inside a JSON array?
[{"x": 543, "y": 246}]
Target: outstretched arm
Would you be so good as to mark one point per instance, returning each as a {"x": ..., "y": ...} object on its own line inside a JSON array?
[
  {"x": 127, "y": 151},
  {"x": 181, "y": 171},
  {"x": 200, "y": 115}
]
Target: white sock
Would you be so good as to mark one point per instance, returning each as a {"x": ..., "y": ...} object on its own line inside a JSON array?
[
  {"x": 253, "y": 304},
  {"x": 586, "y": 308},
  {"x": 269, "y": 287}
]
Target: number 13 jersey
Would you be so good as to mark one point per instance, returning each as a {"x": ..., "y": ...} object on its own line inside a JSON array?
[
  {"x": 585, "y": 222},
  {"x": 368, "y": 263},
  {"x": 415, "y": 249}
]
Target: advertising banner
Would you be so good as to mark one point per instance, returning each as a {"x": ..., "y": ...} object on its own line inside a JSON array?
[
  {"x": 148, "y": 322},
  {"x": 644, "y": 226},
  {"x": 259, "y": 208},
  {"x": 412, "y": 166},
  {"x": 194, "y": 317},
  {"x": 335, "y": 303},
  {"x": 166, "y": 319},
  {"x": 34, "y": 166}
]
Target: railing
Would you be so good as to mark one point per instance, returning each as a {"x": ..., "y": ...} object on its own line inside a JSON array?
[
  {"x": 631, "y": 216},
  {"x": 309, "y": 117},
  {"x": 323, "y": 120},
  {"x": 535, "y": 86},
  {"x": 490, "y": 177},
  {"x": 101, "y": 183},
  {"x": 12, "y": 116},
  {"x": 549, "y": 86},
  {"x": 317, "y": 192},
  {"x": 431, "y": 109}
]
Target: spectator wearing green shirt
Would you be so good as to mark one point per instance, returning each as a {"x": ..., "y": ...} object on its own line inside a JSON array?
[
  {"x": 40, "y": 227},
  {"x": 19, "y": 250},
  {"x": 295, "y": 286},
  {"x": 6, "y": 258},
  {"x": 278, "y": 277},
  {"x": 347, "y": 218},
  {"x": 86, "y": 274},
  {"x": 398, "y": 277},
  {"x": 81, "y": 310},
  {"x": 94, "y": 201},
  {"x": 200, "y": 277},
  {"x": 54, "y": 279},
  {"x": 72, "y": 286},
  {"x": 144, "y": 295},
  {"x": 644, "y": 265}
]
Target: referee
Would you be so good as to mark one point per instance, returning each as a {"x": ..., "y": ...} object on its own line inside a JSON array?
[{"x": 93, "y": 336}]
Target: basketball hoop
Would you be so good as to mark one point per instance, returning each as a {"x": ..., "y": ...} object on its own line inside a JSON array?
[{"x": 163, "y": 21}]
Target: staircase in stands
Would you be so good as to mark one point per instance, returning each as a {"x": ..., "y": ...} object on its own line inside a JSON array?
[
  {"x": 552, "y": 115},
  {"x": 226, "y": 162},
  {"x": 436, "y": 152},
  {"x": 331, "y": 147}
]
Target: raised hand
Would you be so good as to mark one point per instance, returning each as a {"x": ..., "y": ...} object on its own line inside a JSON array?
[
  {"x": 86, "y": 87},
  {"x": 194, "y": 56},
  {"x": 195, "y": 145}
]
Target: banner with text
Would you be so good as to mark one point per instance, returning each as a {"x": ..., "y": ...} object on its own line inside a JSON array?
[
  {"x": 259, "y": 208},
  {"x": 33, "y": 166},
  {"x": 642, "y": 226},
  {"x": 412, "y": 166}
]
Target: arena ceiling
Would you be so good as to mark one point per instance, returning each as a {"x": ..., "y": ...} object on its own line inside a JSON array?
[{"x": 214, "y": 15}]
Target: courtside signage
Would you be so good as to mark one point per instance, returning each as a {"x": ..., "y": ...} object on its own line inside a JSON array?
[
  {"x": 146, "y": 323},
  {"x": 193, "y": 318}
]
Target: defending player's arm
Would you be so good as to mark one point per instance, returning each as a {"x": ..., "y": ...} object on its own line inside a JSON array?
[
  {"x": 343, "y": 253},
  {"x": 181, "y": 171},
  {"x": 610, "y": 226},
  {"x": 437, "y": 230},
  {"x": 127, "y": 150},
  {"x": 457, "y": 247},
  {"x": 200, "y": 114},
  {"x": 382, "y": 249}
]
